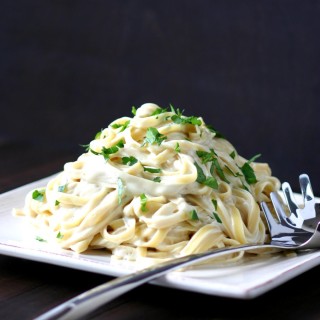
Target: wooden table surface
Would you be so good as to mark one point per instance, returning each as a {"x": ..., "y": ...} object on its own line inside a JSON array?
[{"x": 29, "y": 288}]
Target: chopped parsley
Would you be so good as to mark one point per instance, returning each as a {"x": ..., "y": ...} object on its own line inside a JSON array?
[
  {"x": 214, "y": 213},
  {"x": 159, "y": 111},
  {"x": 202, "y": 179},
  {"x": 123, "y": 126},
  {"x": 216, "y": 216},
  {"x": 177, "y": 111},
  {"x": 156, "y": 179},
  {"x": 212, "y": 157},
  {"x": 248, "y": 172},
  {"x": 38, "y": 195},
  {"x": 177, "y": 148},
  {"x": 98, "y": 135},
  {"x": 215, "y": 204},
  {"x": 151, "y": 170},
  {"x": 143, "y": 202},
  {"x": 233, "y": 154},
  {"x": 40, "y": 239},
  {"x": 106, "y": 152},
  {"x": 129, "y": 160},
  {"x": 59, "y": 235},
  {"x": 179, "y": 118},
  {"x": 193, "y": 215},
  {"x": 186, "y": 120},
  {"x": 216, "y": 165},
  {"x": 153, "y": 136}
]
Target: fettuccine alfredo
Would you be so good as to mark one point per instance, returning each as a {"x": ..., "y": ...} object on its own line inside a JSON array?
[{"x": 154, "y": 186}]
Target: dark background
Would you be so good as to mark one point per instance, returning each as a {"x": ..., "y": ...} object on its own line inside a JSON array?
[{"x": 250, "y": 68}]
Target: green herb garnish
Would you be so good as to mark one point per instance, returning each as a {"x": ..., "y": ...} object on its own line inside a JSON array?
[
  {"x": 216, "y": 216},
  {"x": 212, "y": 157},
  {"x": 159, "y": 111},
  {"x": 129, "y": 160},
  {"x": 40, "y": 239},
  {"x": 98, "y": 135},
  {"x": 233, "y": 154},
  {"x": 59, "y": 235},
  {"x": 38, "y": 195},
  {"x": 248, "y": 172},
  {"x": 106, "y": 152},
  {"x": 151, "y": 170},
  {"x": 177, "y": 148},
  {"x": 208, "y": 181},
  {"x": 156, "y": 179},
  {"x": 123, "y": 126},
  {"x": 143, "y": 202},
  {"x": 215, "y": 204},
  {"x": 153, "y": 136},
  {"x": 186, "y": 120},
  {"x": 194, "y": 215}
]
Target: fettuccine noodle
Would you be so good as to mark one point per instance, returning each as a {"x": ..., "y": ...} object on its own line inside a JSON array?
[{"x": 155, "y": 186}]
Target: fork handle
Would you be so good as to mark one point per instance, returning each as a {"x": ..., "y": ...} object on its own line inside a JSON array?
[{"x": 92, "y": 299}]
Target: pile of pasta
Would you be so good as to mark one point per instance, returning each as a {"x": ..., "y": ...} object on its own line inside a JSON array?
[{"x": 154, "y": 186}]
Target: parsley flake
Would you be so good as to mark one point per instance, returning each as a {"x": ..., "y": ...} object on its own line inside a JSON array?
[
  {"x": 106, "y": 152},
  {"x": 186, "y": 120},
  {"x": 153, "y": 136},
  {"x": 59, "y": 235},
  {"x": 98, "y": 135},
  {"x": 233, "y": 154},
  {"x": 38, "y": 195},
  {"x": 216, "y": 216},
  {"x": 194, "y": 215},
  {"x": 143, "y": 202},
  {"x": 159, "y": 111},
  {"x": 215, "y": 204},
  {"x": 151, "y": 170},
  {"x": 129, "y": 160},
  {"x": 202, "y": 179},
  {"x": 212, "y": 157},
  {"x": 40, "y": 239},
  {"x": 248, "y": 171},
  {"x": 123, "y": 126}
]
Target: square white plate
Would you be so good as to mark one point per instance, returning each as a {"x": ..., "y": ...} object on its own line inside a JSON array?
[{"x": 244, "y": 280}]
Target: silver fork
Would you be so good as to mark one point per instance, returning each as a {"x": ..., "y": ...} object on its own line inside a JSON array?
[
  {"x": 308, "y": 216},
  {"x": 284, "y": 235}
]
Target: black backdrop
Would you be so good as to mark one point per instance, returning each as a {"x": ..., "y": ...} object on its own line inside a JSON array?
[{"x": 250, "y": 68}]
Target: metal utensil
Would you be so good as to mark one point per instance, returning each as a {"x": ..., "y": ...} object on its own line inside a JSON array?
[{"x": 286, "y": 233}]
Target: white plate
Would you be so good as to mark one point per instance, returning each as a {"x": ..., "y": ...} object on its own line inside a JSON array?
[{"x": 246, "y": 280}]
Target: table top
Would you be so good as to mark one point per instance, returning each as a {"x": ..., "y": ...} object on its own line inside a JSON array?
[{"x": 28, "y": 288}]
